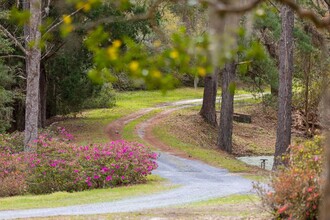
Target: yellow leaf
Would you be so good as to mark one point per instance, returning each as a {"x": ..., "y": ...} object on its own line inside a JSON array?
[
  {"x": 156, "y": 74},
  {"x": 174, "y": 54},
  {"x": 87, "y": 7},
  {"x": 116, "y": 43},
  {"x": 112, "y": 53},
  {"x": 67, "y": 19},
  {"x": 201, "y": 71},
  {"x": 134, "y": 66}
]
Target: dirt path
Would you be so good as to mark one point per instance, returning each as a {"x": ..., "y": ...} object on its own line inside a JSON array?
[
  {"x": 198, "y": 181},
  {"x": 114, "y": 129}
]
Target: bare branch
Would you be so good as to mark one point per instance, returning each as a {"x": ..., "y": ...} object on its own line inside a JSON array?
[
  {"x": 304, "y": 13},
  {"x": 14, "y": 39},
  {"x": 12, "y": 56},
  {"x": 232, "y": 8},
  {"x": 61, "y": 21},
  {"x": 52, "y": 52},
  {"x": 151, "y": 14},
  {"x": 222, "y": 8}
]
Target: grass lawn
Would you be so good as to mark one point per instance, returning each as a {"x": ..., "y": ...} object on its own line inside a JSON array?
[
  {"x": 88, "y": 127},
  {"x": 231, "y": 207},
  {"x": 154, "y": 184},
  {"x": 129, "y": 133},
  {"x": 210, "y": 156},
  {"x": 197, "y": 147}
]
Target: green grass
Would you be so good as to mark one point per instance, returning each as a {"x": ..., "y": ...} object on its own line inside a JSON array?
[
  {"x": 210, "y": 156},
  {"x": 144, "y": 99},
  {"x": 88, "y": 127},
  {"x": 59, "y": 199},
  {"x": 129, "y": 129},
  {"x": 257, "y": 178},
  {"x": 234, "y": 206},
  {"x": 233, "y": 199}
]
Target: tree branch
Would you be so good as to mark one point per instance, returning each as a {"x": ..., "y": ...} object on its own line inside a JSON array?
[
  {"x": 12, "y": 56},
  {"x": 61, "y": 21},
  {"x": 52, "y": 52},
  {"x": 304, "y": 13},
  {"x": 222, "y": 8},
  {"x": 14, "y": 39},
  {"x": 108, "y": 20}
]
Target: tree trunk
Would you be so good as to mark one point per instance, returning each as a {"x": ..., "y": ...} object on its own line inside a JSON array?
[
  {"x": 227, "y": 108},
  {"x": 33, "y": 74},
  {"x": 307, "y": 70},
  {"x": 325, "y": 120},
  {"x": 231, "y": 23},
  {"x": 273, "y": 90},
  {"x": 217, "y": 28},
  {"x": 42, "y": 96},
  {"x": 273, "y": 52},
  {"x": 284, "y": 120},
  {"x": 208, "y": 111}
]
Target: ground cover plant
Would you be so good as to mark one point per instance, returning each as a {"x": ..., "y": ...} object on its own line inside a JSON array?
[
  {"x": 56, "y": 164},
  {"x": 296, "y": 189}
]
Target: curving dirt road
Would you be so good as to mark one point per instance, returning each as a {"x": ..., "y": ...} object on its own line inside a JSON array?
[{"x": 197, "y": 180}]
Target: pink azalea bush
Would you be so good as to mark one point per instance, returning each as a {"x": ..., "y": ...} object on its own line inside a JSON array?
[
  {"x": 12, "y": 143},
  {"x": 56, "y": 164},
  {"x": 12, "y": 166},
  {"x": 296, "y": 190},
  {"x": 12, "y": 174}
]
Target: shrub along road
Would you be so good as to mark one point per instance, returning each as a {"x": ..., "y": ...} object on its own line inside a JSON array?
[{"x": 197, "y": 180}]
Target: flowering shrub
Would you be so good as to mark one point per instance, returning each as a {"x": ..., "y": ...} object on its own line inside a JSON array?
[
  {"x": 60, "y": 166},
  {"x": 12, "y": 174},
  {"x": 12, "y": 143},
  {"x": 12, "y": 166},
  {"x": 296, "y": 190},
  {"x": 56, "y": 164}
]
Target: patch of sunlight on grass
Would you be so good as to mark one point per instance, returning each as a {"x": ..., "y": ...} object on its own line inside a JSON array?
[
  {"x": 248, "y": 101},
  {"x": 210, "y": 156},
  {"x": 232, "y": 199},
  {"x": 144, "y": 99},
  {"x": 154, "y": 184}
]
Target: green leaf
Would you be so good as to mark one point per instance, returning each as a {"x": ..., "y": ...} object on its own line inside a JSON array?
[
  {"x": 19, "y": 17},
  {"x": 232, "y": 88}
]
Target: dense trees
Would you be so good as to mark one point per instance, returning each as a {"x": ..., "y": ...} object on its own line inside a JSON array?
[
  {"x": 53, "y": 84},
  {"x": 131, "y": 32},
  {"x": 68, "y": 87},
  {"x": 6, "y": 94}
]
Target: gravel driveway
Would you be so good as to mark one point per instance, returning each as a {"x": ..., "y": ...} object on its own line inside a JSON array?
[{"x": 198, "y": 181}]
